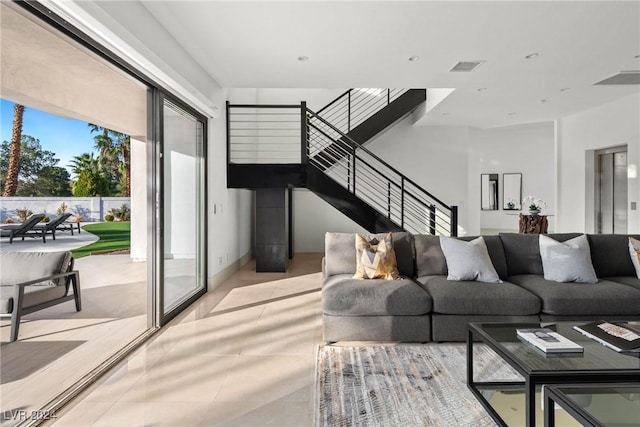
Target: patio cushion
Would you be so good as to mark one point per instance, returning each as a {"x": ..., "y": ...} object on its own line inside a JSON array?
[
  {"x": 20, "y": 267},
  {"x": 345, "y": 296}
]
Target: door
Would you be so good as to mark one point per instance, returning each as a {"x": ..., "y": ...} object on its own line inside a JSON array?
[
  {"x": 611, "y": 191},
  {"x": 182, "y": 212}
]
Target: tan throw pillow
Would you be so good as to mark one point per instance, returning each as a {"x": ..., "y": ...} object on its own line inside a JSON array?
[
  {"x": 634, "y": 251},
  {"x": 375, "y": 259}
]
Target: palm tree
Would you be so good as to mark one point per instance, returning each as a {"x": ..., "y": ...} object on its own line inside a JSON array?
[
  {"x": 11, "y": 184},
  {"x": 90, "y": 179},
  {"x": 114, "y": 153}
]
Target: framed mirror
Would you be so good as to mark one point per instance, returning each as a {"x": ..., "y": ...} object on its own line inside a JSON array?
[
  {"x": 489, "y": 191},
  {"x": 511, "y": 191}
]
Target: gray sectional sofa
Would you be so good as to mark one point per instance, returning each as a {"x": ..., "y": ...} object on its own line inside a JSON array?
[{"x": 424, "y": 306}]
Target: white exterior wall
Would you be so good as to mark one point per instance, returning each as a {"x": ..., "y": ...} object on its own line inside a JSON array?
[
  {"x": 613, "y": 124},
  {"x": 92, "y": 209}
]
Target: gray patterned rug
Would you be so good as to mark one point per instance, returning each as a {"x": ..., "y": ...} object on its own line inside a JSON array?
[{"x": 402, "y": 385}]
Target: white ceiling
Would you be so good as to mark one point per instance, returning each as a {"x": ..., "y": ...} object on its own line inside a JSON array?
[{"x": 368, "y": 43}]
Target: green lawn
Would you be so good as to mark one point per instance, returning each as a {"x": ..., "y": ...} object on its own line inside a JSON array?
[{"x": 114, "y": 236}]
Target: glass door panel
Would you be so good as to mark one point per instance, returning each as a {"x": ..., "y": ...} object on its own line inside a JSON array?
[{"x": 182, "y": 208}]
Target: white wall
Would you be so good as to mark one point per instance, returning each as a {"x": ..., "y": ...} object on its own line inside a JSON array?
[
  {"x": 526, "y": 149},
  {"x": 230, "y": 211},
  {"x": 609, "y": 125},
  {"x": 313, "y": 217}
]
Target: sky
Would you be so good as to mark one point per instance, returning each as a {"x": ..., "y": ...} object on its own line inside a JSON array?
[{"x": 65, "y": 137}]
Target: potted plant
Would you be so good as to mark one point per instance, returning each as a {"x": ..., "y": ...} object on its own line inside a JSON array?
[{"x": 535, "y": 205}]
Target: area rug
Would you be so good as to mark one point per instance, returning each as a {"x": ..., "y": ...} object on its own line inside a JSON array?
[{"x": 402, "y": 385}]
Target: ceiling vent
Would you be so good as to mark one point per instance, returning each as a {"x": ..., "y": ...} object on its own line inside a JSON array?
[
  {"x": 466, "y": 66},
  {"x": 622, "y": 78}
]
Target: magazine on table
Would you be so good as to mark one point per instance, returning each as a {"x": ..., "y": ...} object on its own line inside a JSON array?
[
  {"x": 548, "y": 340},
  {"x": 619, "y": 336}
]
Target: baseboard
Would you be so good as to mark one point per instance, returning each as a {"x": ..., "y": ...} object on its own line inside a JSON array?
[{"x": 224, "y": 274}]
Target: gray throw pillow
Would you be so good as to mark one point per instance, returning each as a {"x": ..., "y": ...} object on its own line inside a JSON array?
[
  {"x": 468, "y": 260},
  {"x": 568, "y": 261}
]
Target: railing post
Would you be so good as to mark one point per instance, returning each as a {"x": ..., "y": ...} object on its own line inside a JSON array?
[
  {"x": 432, "y": 220},
  {"x": 388, "y": 96},
  {"x": 348, "y": 171},
  {"x": 349, "y": 111},
  {"x": 389, "y": 199},
  {"x": 228, "y": 135},
  {"x": 353, "y": 170},
  {"x": 402, "y": 202},
  {"x": 454, "y": 221},
  {"x": 304, "y": 133}
]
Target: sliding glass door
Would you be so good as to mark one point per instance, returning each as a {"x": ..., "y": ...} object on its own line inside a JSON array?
[{"x": 182, "y": 211}]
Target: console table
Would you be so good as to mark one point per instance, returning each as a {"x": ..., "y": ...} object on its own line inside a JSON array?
[{"x": 533, "y": 224}]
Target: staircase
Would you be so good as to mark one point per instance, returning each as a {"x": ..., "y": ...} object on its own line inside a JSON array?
[{"x": 284, "y": 146}]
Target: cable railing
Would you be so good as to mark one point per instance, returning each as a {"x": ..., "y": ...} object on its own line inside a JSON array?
[
  {"x": 376, "y": 182},
  {"x": 355, "y": 106},
  {"x": 265, "y": 133},
  {"x": 293, "y": 134}
]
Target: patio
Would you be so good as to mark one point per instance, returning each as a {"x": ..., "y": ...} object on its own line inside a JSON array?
[
  {"x": 64, "y": 242},
  {"x": 57, "y": 345}
]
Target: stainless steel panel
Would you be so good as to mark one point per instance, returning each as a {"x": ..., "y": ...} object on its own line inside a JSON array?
[
  {"x": 604, "y": 211},
  {"x": 620, "y": 193}
]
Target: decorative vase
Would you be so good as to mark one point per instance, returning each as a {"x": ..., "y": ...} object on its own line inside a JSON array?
[{"x": 534, "y": 212}]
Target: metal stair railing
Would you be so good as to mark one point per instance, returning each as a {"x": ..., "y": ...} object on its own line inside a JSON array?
[
  {"x": 374, "y": 181},
  {"x": 355, "y": 106}
]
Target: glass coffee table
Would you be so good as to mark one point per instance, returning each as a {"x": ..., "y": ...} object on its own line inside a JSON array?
[
  {"x": 595, "y": 405},
  {"x": 598, "y": 364}
]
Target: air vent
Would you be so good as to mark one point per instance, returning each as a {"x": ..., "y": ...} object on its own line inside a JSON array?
[
  {"x": 622, "y": 78},
  {"x": 466, "y": 66}
]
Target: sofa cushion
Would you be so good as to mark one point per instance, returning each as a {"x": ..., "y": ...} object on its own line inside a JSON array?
[
  {"x": 345, "y": 296},
  {"x": 375, "y": 259},
  {"x": 602, "y": 298},
  {"x": 478, "y": 297},
  {"x": 625, "y": 280},
  {"x": 340, "y": 252},
  {"x": 430, "y": 260},
  {"x": 468, "y": 260},
  {"x": 610, "y": 255},
  {"x": 568, "y": 261},
  {"x": 522, "y": 251}
]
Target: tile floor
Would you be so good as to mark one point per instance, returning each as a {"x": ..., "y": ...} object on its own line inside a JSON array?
[
  {"x": 242, "y": 355},
  {"x": 58, "y": 346}
]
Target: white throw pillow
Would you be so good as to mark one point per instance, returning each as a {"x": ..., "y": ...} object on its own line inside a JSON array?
[
  {"x": 468, "y": 260},
  {"x": 634, "y": 251},
  {"x": 568, "y": 261}
]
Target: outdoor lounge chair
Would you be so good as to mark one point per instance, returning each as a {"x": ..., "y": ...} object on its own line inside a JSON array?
[
  {"x": 52, "y": 226},
  {"x": 32, "y": 281},
  {"x": 24, "y": 229}
]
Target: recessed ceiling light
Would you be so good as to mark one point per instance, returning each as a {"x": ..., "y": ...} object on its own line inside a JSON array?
[
  {"x": 445, "y": 114},
  {"x": 481, "y": 89},
  {"x": 532, "y": 55},
  {"x": 303, "y": 58},
  {"x": 511, "y": 114},
  {"x": 637, "y": 56},
  {"x": 544, "y": 101},
  {"x": 564, "y": 89},
  {"x": 414, "y": 58}
]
